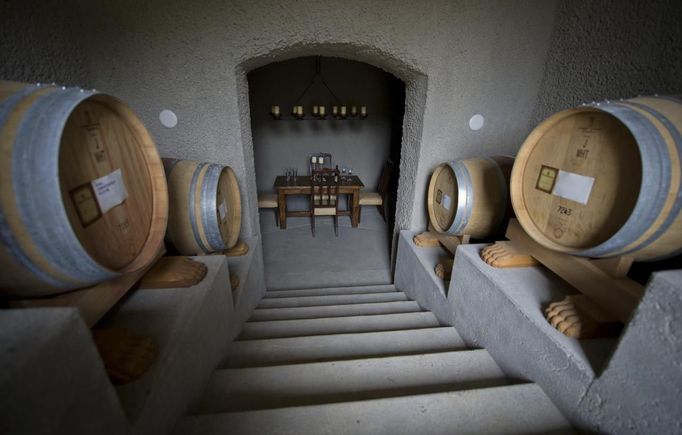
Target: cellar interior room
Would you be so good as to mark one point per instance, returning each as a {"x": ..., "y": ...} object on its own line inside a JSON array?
[{"x": 228, "y": 217}]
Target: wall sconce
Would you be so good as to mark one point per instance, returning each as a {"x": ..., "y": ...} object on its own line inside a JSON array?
[
  {"x": 298, "y": 113},
  {"x": 320, "y": 112}
]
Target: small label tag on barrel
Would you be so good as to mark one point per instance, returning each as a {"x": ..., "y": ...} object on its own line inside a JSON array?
[
  {"x": 546, "y": 179},
  {"x": 83, "y": 198},
  {"x": 223, "y": 210},
  {"x": 572, "y": 186},
  {"x": 110, "y": 190}
]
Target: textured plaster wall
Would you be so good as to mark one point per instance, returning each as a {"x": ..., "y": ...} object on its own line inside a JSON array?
[
  {"x": 640, "y": 390},
  {"x": 610, "y": 49},
  {"x": 457, "y": 58},
  {"x": 40, "y": 42},
  {"x": 362, "y": 145}
]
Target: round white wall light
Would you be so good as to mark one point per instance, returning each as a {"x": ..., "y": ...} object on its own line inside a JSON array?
[
  {"x": 476, "y": 122},
  {"x": 168, "y": 118}
]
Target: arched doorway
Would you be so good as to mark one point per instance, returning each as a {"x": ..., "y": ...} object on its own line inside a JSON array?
[
  {"x": 368, "y": 147},
  {"x": 409, "y": 123}
]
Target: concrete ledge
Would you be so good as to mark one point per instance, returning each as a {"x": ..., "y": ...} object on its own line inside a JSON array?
[
  {"x": 415, "y": 277},
  {"x": 191, "y": 328},
  {"x": 251, "y": 287},
  {"x": 501, "y": 310},
  {"x": 640, "y": 390},
  {"x": 636, "y": 389},
  {"x": 52, "y": 379}
]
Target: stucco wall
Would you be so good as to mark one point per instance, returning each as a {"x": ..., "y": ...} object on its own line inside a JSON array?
[
  {"x": 456, "y": 57},
  {"x": 40, "y": 42},
  {"x": 362, "y": 145},
  {"x": 609, "y": 49}
]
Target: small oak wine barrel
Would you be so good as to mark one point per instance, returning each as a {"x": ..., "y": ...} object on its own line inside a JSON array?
[
  {"x": 604, "y": 180},
  {"x": 469, "y": 196},
  {"x": 83, "y": 197},
  {"x": 205, "y": 206}
]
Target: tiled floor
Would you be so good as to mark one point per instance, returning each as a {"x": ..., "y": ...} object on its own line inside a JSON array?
[{"x": 295, "y": 259}]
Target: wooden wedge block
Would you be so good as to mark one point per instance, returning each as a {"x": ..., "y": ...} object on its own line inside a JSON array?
[
  {"x": 617, "y": 267},
  {"x": 234, "y": 281},
  {"x": 577, "y": 316},
  {"x": 174, "y": 272},
  {"x": 92, "y": 302},
  {"x": 427, "y": 239},
  {"x": 444, "y": 269},
  {"x": 506, "y": 254},
  {"x": 241, "y": 248},
  {"x": 449, "y": 242},
  {"x": 127, "y": 356}
]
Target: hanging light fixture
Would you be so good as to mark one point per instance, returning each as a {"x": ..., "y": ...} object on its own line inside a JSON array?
[{"x": 338, "y": 111}]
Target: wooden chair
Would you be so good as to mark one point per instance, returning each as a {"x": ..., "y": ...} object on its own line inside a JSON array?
[
  {"x": 324, "y": 196},
  {"x": 269, "y": 200},
  {"x": 378, "y": 198}
]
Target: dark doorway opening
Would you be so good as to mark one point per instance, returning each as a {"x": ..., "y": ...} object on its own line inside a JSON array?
[{"x": 358, "y": 256}]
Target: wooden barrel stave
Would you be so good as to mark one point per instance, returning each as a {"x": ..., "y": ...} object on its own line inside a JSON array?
[
  {"x": 477, "y": 188},
  {"x": 28, "y": 266},
  {"x": 642, "y": 219},
  {"x": 47, "y": 251},
  {"x": 660, "y": 237}
]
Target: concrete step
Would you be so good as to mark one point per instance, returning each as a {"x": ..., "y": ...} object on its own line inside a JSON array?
[
  {"x": 310, "y": 301},
  {"x": 337, "y": 325},
  {"x": 253, "y": 353},
  {"x": 514, "y": 409},
  {"x": 330, "y": 291},
  {"x": 263, "y": 314},
  {"x": 359, "y": 379}
]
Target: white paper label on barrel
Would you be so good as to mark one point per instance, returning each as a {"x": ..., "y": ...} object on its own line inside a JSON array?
[
  {"x": 572, "y": 186},
  {"x": 223, "y": 210},
  {"x": 109, "y": 190},
  {"x": 446, "y": 202}
]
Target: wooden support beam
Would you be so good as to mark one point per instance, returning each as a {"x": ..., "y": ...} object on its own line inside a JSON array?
[
  {"x": 174, "y": 272},
  {"x": 618, "y": 296}
]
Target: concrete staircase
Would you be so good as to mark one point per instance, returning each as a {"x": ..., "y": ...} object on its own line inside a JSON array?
[{"x": 361, "y": 360}]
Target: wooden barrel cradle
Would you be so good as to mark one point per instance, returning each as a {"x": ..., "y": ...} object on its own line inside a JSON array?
[
  {"x": 205, "y": 206},
  {"x": 83, "y": 197},
  {"x": 469, "y": 197},
  {"x": 604, "y": 180}
]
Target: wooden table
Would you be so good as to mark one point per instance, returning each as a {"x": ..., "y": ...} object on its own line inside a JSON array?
[{"x": 302, "y": 186}]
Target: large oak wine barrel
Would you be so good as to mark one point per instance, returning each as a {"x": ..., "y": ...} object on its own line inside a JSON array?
[
  {"x": 83, "y": 196},
  {"x": 470, "y": 197},
  {"x": 604, "y": 180},
  {"x": 205, "y": 206}
]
